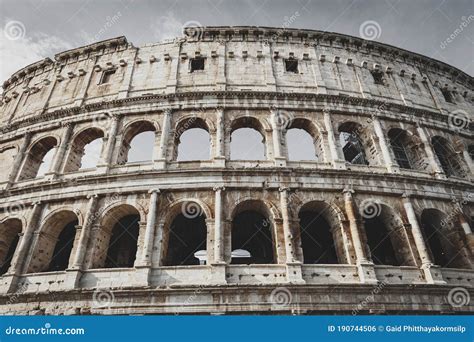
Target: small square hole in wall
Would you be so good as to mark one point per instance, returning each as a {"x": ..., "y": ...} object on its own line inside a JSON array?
[
  {"x": 291, "y": 65},
  {"x": 196, "y": 64},
  {"x": 448, "y": 96},
  {"x": 378, "y": 77},
  {"x": 106, "y": 76}
]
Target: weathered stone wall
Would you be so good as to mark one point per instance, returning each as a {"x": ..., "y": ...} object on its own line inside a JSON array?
[{"x": 63, "y": 105}]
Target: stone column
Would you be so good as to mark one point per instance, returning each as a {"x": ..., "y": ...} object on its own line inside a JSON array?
[
  {"x": 219, "y": 155},
  {"x": 432, "y": 274},
  {"x": 78, "y": 261},
  {"x": 19, "y": 261},
  {"x": 365, "y": 267},
  {"x": 294, "y": 272},
  {"x": 387, "y": 156},
  {"x": 218, "y": 266},
  {"x": 439, "y": 173},
  {"x": 280, "y": 160},
  {"x": 160, "y": 163},
  {"x": 145, "y": 259},
  {"x": 467, "y": 229},
  {"x": 336, "y": 160},
  {"x": 19, "y": 159},
  {"x": 61, "y": 151},
  {"x": 109, "y": 148}
]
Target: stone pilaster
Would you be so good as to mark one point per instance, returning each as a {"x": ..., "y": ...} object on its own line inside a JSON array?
[
  {"x": 106, "y": 159},
  {"x": 387, "y": 156},
  {"x": 218, "y": 266},
  {"x": 19, "y": 160},
  {"x": 219, "y": 154},
  {"x": 60, "y": 154},
  {"x": 160, "y": 163},
  {"x": 280, "y": 159},
  {"x": 336, "y": 159},
  {"x": 365, "y": 267},
  {"x": 433, "y": 160}
]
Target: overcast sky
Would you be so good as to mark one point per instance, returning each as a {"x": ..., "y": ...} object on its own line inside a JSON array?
[{"x": 34, "y": 29}]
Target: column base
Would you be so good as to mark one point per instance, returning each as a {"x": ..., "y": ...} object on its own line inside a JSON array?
[
  {"x": 218, "y": 162},
  {"x": 218, "y": 276},
  {"x": 294, "y": 273},
  {"x": 440, "y": 175},
  {"x": 9, "y": 283},
  {"x": 280, "y": 161},
  {"x": 73, "y": 275},
  {"x": 142, "y": 275},
  {"x": 103, "y": 168},
  {"x": 159, "y": 164},
  {"x": 366, "y": 273},
  {"x": 339, "y": 164},
  {"x": 433, "y": 274}
]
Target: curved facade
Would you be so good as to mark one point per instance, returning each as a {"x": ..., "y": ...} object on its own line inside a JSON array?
[{"x": 378, "y": 221}]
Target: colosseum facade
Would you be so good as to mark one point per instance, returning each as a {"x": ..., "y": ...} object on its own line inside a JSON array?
[{"x": 380, "y": 221}]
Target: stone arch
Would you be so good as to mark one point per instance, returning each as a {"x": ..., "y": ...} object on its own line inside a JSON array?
[
  {"x": 385, "y": 233},
  {"x": 357, "y": 144},
  {"x": 54, "y": 244},
  {"x": 450, "y": 161},
  {"x": 78, "y": 143},
  {"x": 320, "y": 233},
  {"x": 253, "y": 231},
  {"x": 183, "y": 126},
  {"x": 10, "y": 228},
  {"x": 130, "y": 132},
  {"x": 185, "y": 232},
  {"x": 444, "y": 239},
  {"x": 118, "y": 236},
  {"x": 256, "y": 129},
  {"x": 407, "y": 149},
  {"x": 36, "y": 155},
  {"x": 313, "y": 129},
  {"x": 7, "y": 157}
]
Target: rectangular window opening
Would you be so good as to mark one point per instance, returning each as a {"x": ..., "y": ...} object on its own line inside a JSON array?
[
  {"x": 291, "y": 65},
  {"x": 106, "y": 76},
  {"x": 448, "y": 97},
  {"x": 378, "y": 77},
  {"x": 196, "y": 64}
]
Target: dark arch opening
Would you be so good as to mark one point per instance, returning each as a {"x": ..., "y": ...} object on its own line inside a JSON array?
[
  {"x": 316, "y": 238},
  {"x": 399, "y": 142},
  {"x": 445, "y": 245},
  {"x": 122, "y": 248},
  {"x": 352, "y": 144},
  {"x": 251, "y": 231},
  {"x": 187, "y": 235},
  {"x": 447, "y": 157},
  {"x": 380, "y": 242},
  {"x": 9, "y": 236},
  {"x": 63, "y": 248},
  {"x": 37, "y": 157}
]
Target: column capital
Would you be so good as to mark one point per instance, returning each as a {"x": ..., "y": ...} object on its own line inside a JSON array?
[
  {"x": 284, "y": 189},
  {"x": 152, "y": 191},
  {"x": 349, "y": 191},
  {"x": 167, "y": 111},
  {"x": 36, "y": 203},
  {"x": 94, "y": 195},
  {"x": 219, "y": 188},
  {"x": 67, "y": 124}
]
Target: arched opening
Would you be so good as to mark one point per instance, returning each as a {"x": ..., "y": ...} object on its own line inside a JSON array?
[
  {"x": 63, "y": 248},
  {"x": 7, "y": 157},
  {"x": 192, "y": 140},
  {"x": 303, "y": 141},
  {"x": 86, "y": 150},
  {"x": 407, "y": 150},
  {"x": 247, "y": 140},
  {"x": 470, "y": 150},
  {"x": 442, "y": 236},
  {"x": 137, "y": 144},
  {"x": 122, "y": 226},
  {"x": 55, "y": 243},
  {"x": 9, "y": 236},
  {"x": 39, "y": 158},
  {"x": 252, "y": 232},
  {"x": 448, "y": 158},
  {"x": 352, "y": 143},
  {"x": 187, "y": 236},
  {"x": 386, "y": 238},
  {"x": 316, "y": 234}
]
